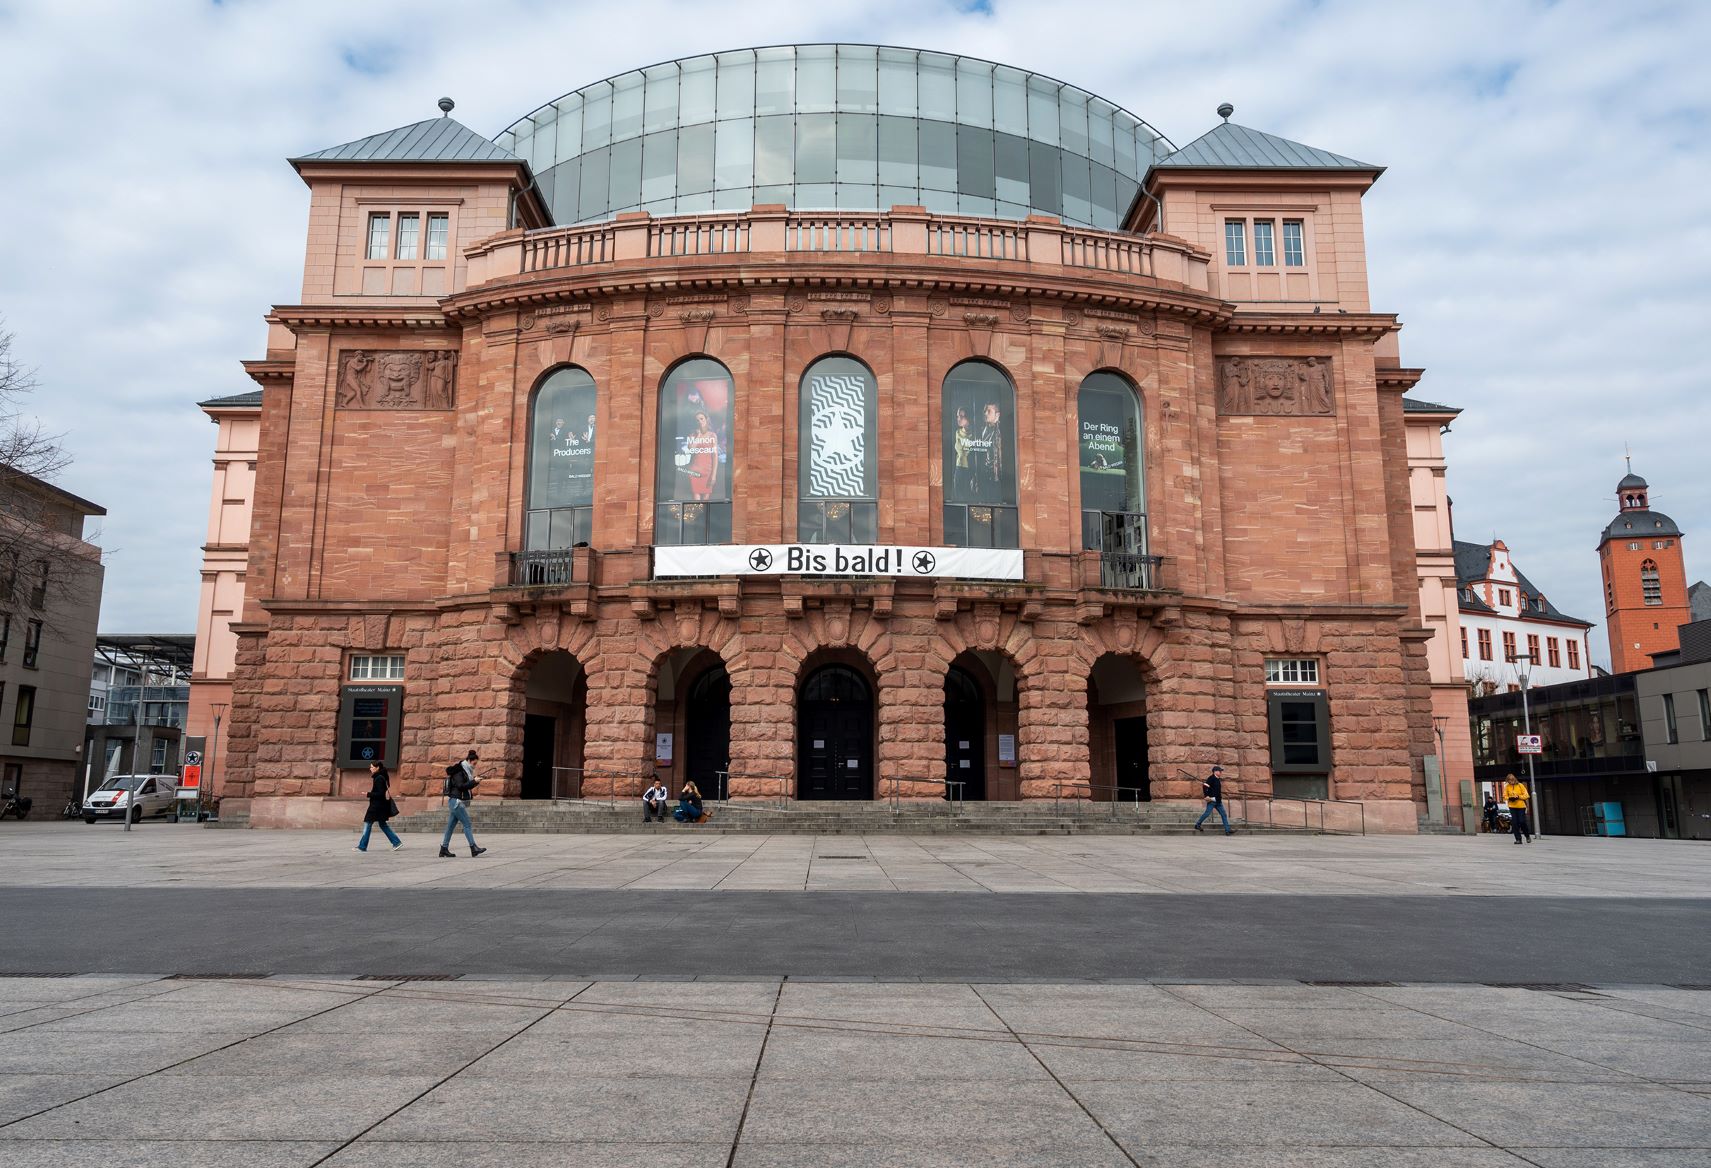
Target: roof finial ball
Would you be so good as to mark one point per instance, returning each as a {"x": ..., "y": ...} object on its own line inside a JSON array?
[
  {"x": 446, "y": 107},
  {"x": 1225, "y": 110}
]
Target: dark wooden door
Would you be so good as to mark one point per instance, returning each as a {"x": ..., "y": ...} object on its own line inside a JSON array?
[
  {"x": 540, "y": 737},
  {"x": 707, "y": 754},
  {"x": 834, "y": 736},
  {"x": 1130, "y": 735},
  {"x": 965, "y": 734}
]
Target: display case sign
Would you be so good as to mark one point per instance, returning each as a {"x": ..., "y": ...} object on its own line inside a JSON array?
[{"x": 370, "y": 717}]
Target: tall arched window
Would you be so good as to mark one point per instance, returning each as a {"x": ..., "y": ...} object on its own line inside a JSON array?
[
  {"x": 561, "y": 462},
  {"x": 838, "y": 411},
  {"x": 1110, "y": 443},
  {"x": 979, "y": 457},
  {"x": 1650, "y": 584},
  {"x": 692, "y": 489}
]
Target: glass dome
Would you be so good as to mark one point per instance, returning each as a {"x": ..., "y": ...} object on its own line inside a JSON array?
[{"x": 850, "y": 127}]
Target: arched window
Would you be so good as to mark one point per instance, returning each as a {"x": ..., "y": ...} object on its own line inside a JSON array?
[
  {"x": 979, "y": 457},
  {"x": 560, "y": 501},
  {"x": 1110, "y": 444},
  {"x": 692, "y": 489},
  {"x": 838, "y": 411},
  {"x": 1650, "y": 583}
]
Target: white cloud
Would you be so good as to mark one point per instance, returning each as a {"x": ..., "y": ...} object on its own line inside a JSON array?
[{"x": 1541, "y": 229}]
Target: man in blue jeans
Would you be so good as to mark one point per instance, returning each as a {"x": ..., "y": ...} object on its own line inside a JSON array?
[
  {"x": 1212, "y": 786},
  {"x": 459, "y": 788}
]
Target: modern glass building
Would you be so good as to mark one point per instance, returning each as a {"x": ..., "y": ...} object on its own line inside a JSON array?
[{"x": 848, "y": 127}]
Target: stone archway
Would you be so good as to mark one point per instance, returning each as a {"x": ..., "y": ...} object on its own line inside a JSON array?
[
  {"x": 692, "y": 721},
  {"x": 555, "y": 717},
  {"x": 1117, "y": 730}
]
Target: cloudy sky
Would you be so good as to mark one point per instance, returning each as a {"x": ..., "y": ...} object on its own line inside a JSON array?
[{"x": 1544, "y": 228}]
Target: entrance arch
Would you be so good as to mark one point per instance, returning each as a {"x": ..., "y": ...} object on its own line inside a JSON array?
[
  {"x": 1117, "y": 730},
  {"x": 834, "y": 735},
  {"x": 965, "y": 733},
  {"x": 981, "y": 717},
  {"x": 692, "y": 721},
  {"x": 555, "y": 718}
]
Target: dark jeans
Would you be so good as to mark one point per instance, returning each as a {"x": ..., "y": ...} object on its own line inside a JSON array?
[
  {"x": 652, "y": 811},
  {"x": 1219, "y": 808},
  {"x": 368, "y": 830},
  {"x": 1518, "y": 823}
]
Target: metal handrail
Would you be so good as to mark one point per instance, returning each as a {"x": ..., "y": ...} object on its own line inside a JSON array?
[
  {"x": 1234, "y": 793},
  {"x": 1090, "y": 787},
  {"x": 955, "y": 802},
  {"x": 584, "y": 773},
  {"x": 723, "y": 782}
]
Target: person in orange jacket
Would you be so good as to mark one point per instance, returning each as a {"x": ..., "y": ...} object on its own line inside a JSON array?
[{"x": 1516, "y": 795}]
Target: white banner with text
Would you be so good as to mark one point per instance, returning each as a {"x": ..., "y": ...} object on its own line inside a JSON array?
[{"x": 877, "y": 561}]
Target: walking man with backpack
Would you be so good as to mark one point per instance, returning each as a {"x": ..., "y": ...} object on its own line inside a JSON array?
[{"x": 459, "y": 790}]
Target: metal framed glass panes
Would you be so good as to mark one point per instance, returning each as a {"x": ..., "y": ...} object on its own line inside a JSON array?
[
  {"x": 561, "y": 462},
  {"x": 808, "y": 126},
  {"x": 838, "y": 489},
  {"x": 979, "y": 457},
  {"x": 692, "y": 487}
]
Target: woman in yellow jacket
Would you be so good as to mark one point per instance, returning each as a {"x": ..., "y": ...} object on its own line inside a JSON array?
[{"x": 1515, "y": 794}]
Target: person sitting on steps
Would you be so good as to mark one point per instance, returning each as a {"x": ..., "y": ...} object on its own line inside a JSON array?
[{"x": 689, "y": 808}]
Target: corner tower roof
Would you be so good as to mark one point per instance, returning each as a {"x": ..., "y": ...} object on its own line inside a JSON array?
[
  {"x": 432, "y": 140},
  {"x": 1232, "y": 147}
]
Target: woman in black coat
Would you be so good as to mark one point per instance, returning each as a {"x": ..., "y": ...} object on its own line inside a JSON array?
[{"x": 379, "y": 809}]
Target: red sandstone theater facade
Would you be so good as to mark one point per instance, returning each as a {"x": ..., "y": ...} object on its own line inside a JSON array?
[{"x": 1062, "y": 495}]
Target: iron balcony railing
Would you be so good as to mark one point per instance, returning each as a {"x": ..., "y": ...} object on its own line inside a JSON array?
[
  {"x": 548, "y": 569},
  {"x": 1129, "y": 571}
]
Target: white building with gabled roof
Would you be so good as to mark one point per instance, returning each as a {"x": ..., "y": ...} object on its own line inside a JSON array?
[{"x": 1505, "y": 615}]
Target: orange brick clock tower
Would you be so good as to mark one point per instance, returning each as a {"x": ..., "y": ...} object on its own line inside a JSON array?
[{"x": 1645, "y": 583}]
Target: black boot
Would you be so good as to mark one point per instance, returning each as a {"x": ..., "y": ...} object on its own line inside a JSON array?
[
  {"x": 475, "y": 851},
  {"x": 447, "y": 852}
]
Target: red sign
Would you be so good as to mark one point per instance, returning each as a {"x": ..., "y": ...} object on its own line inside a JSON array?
[{"x": 191, "y": 779}]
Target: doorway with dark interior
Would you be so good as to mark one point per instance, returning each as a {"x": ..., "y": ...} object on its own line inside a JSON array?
[
  {"x": 965, "y": 735},
  {"x": 834, "y": 735},
  {"x": 707, "y": 730}
]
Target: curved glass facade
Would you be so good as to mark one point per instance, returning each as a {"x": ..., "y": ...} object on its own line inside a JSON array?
[{"x": 846, "y": 127}]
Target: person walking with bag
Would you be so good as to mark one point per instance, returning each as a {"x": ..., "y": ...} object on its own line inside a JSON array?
[
  {"x": 380, "y": 808},
  {"x": 460, "y": 789},
  {"x": 1212, "y": 787}
]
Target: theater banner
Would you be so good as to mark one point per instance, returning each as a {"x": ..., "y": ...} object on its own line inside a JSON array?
[{"x": 866, "y": 561}]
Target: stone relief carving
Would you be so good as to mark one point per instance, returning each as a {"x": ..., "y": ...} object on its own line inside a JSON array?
[
  {"x": 936, "y": 305},
  {"x": 980, "y": 319},
  {"x": 1276, "y": 386},
  {"x": 396, "y": 380}
]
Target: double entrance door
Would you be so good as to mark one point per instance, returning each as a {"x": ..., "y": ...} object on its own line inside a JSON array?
[{"x": 834, "y": 736}]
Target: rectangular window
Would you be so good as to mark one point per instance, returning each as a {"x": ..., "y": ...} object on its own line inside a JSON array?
[
  {"x": 1294, "y": 251},
  {"x": 1533, "y": 649},
  {"x": 157, "y": 757},
  {"x": 1235, "y": 243},
  {"x": 5, "y": 636},
  {"x": 24, "y": 715},
  {"x": 1265, "y": 250},
  {"x": 409, "y": 228},
  {"x": 1485, "y": 644},
  {"x": 379, "y": 236},
  {"x": 1668, "y": 717},
  {"x": 1555, "y": 650},
  {"x": 1574, "y": 654},
  {"x": 1705, "y": 715},
  {"x": 1464, "y": 644},
  {"x": 439, "y": 233},
  {"x": 1300, "y": 730},
  {"x": 1292, "y": 671},
  {"x": 372, "y": 668},
  {"x": 1509, "y": 646},
  {"x": 1503, "y": 596},
  {"x": 97, "y": 703},
  {"x": 32, "y": 644},
  {"x": 39, "y": 593}
]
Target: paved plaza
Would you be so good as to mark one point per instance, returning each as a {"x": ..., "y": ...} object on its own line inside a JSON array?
[{"x": 1046, "y": 1055}]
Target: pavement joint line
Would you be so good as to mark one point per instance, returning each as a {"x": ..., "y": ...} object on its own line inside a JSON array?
[
  {"x": 1062, "y": 1086},
  {"x": 171, "y": 1066},
  {"x": 436, "y": 1086},
  {"x": 754, "y": 1079},
  {"x": 1340, "y": 1071}
]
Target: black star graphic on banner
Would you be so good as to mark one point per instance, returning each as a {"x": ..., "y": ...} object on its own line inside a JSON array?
[
  {"x": 924, "y": 562},
  {"x": 760, "y": 559}
]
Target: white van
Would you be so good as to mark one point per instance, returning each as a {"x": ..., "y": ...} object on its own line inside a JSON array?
[{"x": 143, "y": 794}]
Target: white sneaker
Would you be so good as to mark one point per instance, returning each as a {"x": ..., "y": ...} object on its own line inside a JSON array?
[{"x": 397, "y": 845}]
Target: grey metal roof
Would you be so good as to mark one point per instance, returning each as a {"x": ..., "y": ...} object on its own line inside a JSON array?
[
  {"x": 1630, "y": 480},
  {"x": 1699, "y": 601},
  {"x": 1643, "y": 524},
  {"x": 235, "y": 401},
  {"x": 1472, "y": 561},
  {"x": 1415, "y": 405},
  {"x": 433, "y": 140},
  {"x": 1229, "y": 146}
]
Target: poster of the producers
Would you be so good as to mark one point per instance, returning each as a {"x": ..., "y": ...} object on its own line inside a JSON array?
[
  {"x": 695, "y": 429},
  {"x": 1110, "y": 455},
  {"x": 563, "y": 457},
  {"x": 979, "y": 436}
]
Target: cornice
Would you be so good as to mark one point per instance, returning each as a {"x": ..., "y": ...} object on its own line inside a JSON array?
[
  {"x": 269, "y": 372},
  {"x": 1403, "y": 379},
  {"x": 1060, "y": 285},
  {"x": 299, "y": 317},
  {"x": 1360, "y": 324}
]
